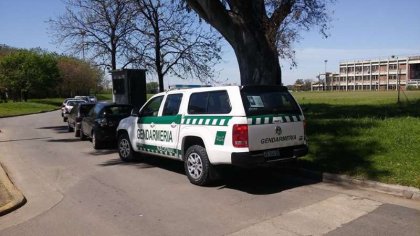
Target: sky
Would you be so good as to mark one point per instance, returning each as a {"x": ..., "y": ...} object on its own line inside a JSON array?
[{"x": 360, "y": 29}]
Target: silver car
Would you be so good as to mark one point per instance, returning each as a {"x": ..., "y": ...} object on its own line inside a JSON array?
[{"x": 65, "y": 110}]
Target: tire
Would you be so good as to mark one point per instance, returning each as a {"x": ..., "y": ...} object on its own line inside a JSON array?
[
  {"x": 197, "y": 165},
  {"x": 124, "y": 148},
  {"x": 82, "y": 136},
  {"x": 96, "y": 144},
  {"x": 76, "y": 132},
  {"x": 69, "y": 128}
]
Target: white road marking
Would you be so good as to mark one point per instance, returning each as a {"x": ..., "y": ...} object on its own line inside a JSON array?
[{"x": 317, "y": 219}]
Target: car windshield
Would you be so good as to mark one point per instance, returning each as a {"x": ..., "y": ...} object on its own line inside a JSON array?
[
  {"x": 268, "y": 100},
  {"x": 74, "y": 102}
]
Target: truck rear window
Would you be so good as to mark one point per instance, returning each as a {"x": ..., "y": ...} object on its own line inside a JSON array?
[{"x": 262, "y": 100}]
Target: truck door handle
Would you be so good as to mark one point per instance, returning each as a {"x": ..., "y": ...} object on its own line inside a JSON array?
[
  {"x": 152, "y": 125},
  {"x": 173, "y": 124}
]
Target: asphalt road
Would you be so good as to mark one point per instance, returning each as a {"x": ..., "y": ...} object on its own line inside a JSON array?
[{"x": 74, "y": 190}]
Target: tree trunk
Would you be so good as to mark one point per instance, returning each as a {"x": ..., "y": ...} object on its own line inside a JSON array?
[
  {"x": 249, "y": 34},
  {"x": 258, "y": 61},
  {"x": 113, "y": 59}
]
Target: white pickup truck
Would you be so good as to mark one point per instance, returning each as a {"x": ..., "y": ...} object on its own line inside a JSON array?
[{"x": 204, "y": 127}]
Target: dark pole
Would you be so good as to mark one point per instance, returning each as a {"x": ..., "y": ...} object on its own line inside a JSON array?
[{"x": 325, "y": 70}]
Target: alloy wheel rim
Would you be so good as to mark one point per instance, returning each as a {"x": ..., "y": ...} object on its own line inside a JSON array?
[
  {"x": 124, "y": 148},
  {"x": 195, "y": 165}
]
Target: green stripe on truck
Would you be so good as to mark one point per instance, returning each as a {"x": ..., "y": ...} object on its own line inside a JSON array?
[{"x": 271, "y": 119}]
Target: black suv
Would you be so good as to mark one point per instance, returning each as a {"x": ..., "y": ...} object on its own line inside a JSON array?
[
  {"x": 76, "y": 115},
  {"x": 101, "y": 123}
]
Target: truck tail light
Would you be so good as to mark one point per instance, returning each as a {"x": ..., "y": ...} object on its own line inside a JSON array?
[{"x": 240, "y": 136}]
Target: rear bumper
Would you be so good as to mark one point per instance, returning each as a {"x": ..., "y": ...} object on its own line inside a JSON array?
[
  {"x": 257, "y": 157},
  {"x": 105, "y": 134}
]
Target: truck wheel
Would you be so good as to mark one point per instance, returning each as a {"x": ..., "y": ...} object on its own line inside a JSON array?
[
  {"x": 76, "y": 132},
  {"x": 197, "y": 165},
  {"x": 82, "y": 135},
  {"x": 124, "y": 148},
  {"x": 95, "y": 142}
]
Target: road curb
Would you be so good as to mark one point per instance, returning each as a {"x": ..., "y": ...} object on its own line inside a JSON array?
[
  {"x": 18, "y": 199},
  {"x": 345, "y": 180}
]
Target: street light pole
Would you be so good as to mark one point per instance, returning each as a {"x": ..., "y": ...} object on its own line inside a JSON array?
[
  {"x": 398, "y": 79},
  {"x": 325, "y": 70}
]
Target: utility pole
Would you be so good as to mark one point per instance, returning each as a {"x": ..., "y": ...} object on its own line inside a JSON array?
[
  {"x": 325, "y": 70},
  {"x": 398, "y": 79}
]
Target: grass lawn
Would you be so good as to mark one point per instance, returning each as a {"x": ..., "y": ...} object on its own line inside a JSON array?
[
  {"x": 39, "y": 105},
  {"x": 364, "y": 134},
  {"x": 32, "y": 106}
]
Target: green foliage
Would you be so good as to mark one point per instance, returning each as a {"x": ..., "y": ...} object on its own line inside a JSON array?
[
  {"x": 364, "y": 134},
  {"x": 77, "y": 77},
  {"x": 38, "y": 74},
  {"x": 152, "y": 87},
  {"x": 26, "y": 71}
]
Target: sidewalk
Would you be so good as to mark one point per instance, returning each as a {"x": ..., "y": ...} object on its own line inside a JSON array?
[{"x": 10, "y": 197}]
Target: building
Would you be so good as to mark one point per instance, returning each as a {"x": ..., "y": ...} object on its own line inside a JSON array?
[{"x": 381, "y": 74}]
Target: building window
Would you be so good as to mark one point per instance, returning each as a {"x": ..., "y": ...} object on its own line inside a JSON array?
[
  {"x": 375, "y": 68},
  {"x": 392, "y": 66},
  {"x": 366, "y": 69}
]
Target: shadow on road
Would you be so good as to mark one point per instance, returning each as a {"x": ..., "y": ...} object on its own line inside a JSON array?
[
  {"x": 58, "y": 129},
  {"x": 23, "y": 139},
  {"x": 100, "y": 152},
  {"x": 64, "y": 140},
  {"x": 256, "y": 181},
  {"x": 261, "y": 181}
]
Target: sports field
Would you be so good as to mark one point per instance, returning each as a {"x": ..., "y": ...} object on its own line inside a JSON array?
[{"x": 364, "y": 134}]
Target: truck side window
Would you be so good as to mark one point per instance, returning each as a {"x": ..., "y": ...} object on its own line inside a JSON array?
[
  {"x": 152, "y": 108},
  {"x": 171, "y": 108},
  {"x": 218, "y": 103},
  {"x": 215, "y": 102}
]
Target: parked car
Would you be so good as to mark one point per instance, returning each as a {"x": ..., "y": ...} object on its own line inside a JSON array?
[
  {"x": 93, "y": 99},
  {"x": 84, "y": 98},
  {"x": 101, "y": 123},
  {"x": 65, "y": 110},
  {"x": 64, "y": 104},
  {"x": 76, "y": 115}
]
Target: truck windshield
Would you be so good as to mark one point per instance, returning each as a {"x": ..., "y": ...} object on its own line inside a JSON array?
[{"x": 264, "y": 100}]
